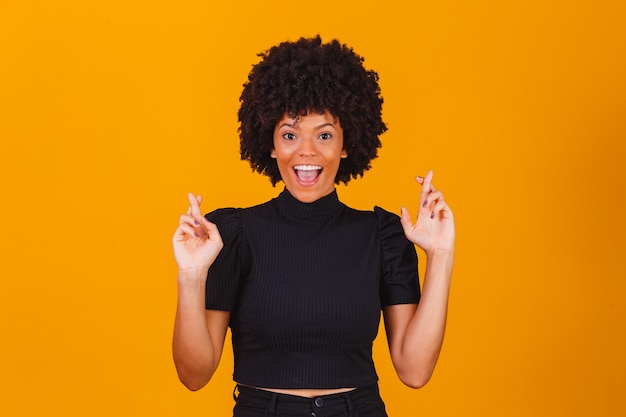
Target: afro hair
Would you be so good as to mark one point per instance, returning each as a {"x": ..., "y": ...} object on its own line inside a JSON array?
[{"x": 294, "y": 78}]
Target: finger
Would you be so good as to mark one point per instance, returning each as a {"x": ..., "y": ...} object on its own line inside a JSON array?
[
  {"x": 207, "y": 224},
  {"x": 426, "y": 186},
  {"x": 434, "y": 196},
  {"x": 185, "y": 230},
  {"x": 420, "y": 181},
  {"x": 200, "y": 229},
  {"x": 194, "y": 207},
  {"x": 190, "y": 204},
  {"x": 405, "y": 219},
  {"x": 439, "y": 205},
  {"x": 189, "y": 219},
  {"x": 441, "y": 209},
  {"x": 212, "y": 231}
]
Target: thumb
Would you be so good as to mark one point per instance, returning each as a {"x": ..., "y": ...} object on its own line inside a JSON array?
[
  {"x": 212, "y": 230},
  {"x": 405, "y": 218}
]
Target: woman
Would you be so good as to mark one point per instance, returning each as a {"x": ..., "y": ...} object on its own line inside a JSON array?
[{"x": 301, "y": 279}]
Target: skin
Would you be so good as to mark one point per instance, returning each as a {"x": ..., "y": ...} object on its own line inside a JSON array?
[
  {"x": 415, "y": 332},
  {"x": 311, "y": 140}
]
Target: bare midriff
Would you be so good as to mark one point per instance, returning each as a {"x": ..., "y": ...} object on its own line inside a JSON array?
[{"x": 308, "y": 393}]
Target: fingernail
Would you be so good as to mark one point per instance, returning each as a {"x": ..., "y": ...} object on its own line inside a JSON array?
[
  {"x": 425, "y": 203},
  {"x": 432, "y": 215},
  {"x": 196, "y": 223},
  {"x": 196, "y": 234}
]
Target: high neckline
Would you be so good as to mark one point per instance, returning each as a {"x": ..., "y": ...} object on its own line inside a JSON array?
[{"x": 324, "y": 207}]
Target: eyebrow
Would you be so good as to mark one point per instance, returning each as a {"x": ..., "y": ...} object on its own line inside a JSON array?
[{"x": 293, "y": 126}]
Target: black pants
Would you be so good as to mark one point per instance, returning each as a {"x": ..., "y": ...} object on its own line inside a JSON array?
[{"x": 361, "y": 402}]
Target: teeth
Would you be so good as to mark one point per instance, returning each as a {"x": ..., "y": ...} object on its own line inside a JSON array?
[{"x": 307, "y": 167}]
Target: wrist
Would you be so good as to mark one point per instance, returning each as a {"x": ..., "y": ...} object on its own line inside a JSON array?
[
  {"x": 443, "y": 254},
  {"x": 192, "y": 276}
]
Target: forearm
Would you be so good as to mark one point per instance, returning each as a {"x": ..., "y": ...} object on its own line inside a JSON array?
[
  {"x": 424, "y": 335},
  {"x": 193, "y": 348}
]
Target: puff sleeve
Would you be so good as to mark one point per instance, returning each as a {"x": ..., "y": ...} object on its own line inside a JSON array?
[
  {"x": 225, "y": 273},
  {"x": 399, "y": 282}
]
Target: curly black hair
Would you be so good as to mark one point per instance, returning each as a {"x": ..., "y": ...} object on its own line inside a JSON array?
[{"x": 295, "y": 78}]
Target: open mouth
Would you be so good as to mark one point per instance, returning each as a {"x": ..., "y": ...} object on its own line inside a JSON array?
[{"x": 307, "y": 173}]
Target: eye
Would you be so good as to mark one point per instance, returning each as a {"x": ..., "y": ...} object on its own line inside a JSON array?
[
  {"x": 325, "y": 136},
  {"x": 289, "y": 136}
]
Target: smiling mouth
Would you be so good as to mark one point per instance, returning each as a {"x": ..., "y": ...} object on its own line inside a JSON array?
[{"x": 307, "y": 173}]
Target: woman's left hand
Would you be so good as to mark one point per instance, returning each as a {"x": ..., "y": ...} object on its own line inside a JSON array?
[{"x": 434, "y": 229}]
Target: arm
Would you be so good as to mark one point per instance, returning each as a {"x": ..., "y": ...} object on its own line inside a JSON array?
[
  {"x": 198, "y": 333},
  {"x": 415, "y": 332}
]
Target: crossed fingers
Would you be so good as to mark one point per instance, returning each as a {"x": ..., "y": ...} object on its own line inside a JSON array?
[
  {"x": 431, "y": 199},
  {"x": 192, "y": 221}
]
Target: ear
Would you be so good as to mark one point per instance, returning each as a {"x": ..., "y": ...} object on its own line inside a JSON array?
[
  {"x": 344, "y": 154},
  {"x": 273, "y": 153}
]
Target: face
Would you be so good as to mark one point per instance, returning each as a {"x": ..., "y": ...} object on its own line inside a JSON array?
[{"x": 308, "y": 150}]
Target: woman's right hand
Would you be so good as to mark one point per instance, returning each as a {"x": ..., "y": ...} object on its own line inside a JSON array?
[{"x": 197, "y": 242}]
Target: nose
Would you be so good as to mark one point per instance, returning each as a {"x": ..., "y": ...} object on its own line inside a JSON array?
[{"x": 307, "y": 147}]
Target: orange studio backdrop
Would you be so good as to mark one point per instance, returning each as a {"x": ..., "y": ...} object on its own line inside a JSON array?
[{"x": 110, "y": 112}]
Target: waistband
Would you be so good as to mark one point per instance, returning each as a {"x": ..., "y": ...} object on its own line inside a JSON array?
[{"x": 275, "y": 403}]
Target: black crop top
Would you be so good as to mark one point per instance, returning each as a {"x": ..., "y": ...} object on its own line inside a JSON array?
[{"x": 305, "y": 284}]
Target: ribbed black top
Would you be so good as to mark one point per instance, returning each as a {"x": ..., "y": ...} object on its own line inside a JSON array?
[{"x": 305, "y": 283}]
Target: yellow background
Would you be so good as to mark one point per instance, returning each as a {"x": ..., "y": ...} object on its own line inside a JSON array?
[{"x": 111, "y": 111}]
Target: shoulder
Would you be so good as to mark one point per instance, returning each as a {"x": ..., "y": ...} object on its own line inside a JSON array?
[
  {"x": 378, "y": 217},
  {"x": 228, "y": 222},
  {"x": 234, "y": 214},
  {"x": 232, "y": 219},
  {"x": 224, "y": 216},
  {"x": 387, "y": 221},
  {"x": 383, "y": 215},
  {"x": 392, "y": 235},
  {"x": 385, "y": 224}
]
